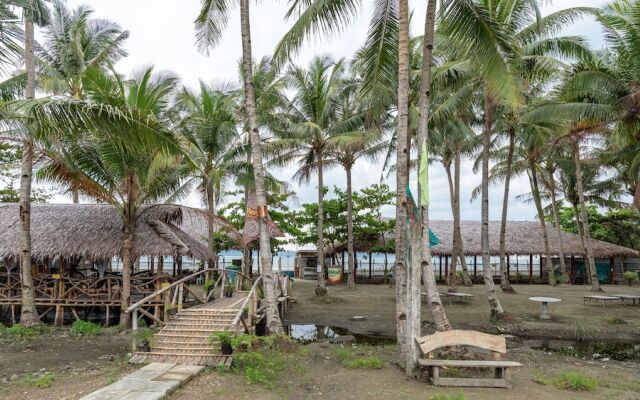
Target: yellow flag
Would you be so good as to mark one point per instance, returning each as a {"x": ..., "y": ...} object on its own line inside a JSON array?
[{"x": 423, "y": 176}]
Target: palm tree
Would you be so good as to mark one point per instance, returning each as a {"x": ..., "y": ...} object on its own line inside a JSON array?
[
  {"x": 499, "y": 38},
  {"x": 125, "y": 167},
  {"x": 35, "y": 12},
  {"x": 346, "y": 149},
  {"x": 314, "y": 119},
  {"x": 210, "y": 24},
  {"x": 208, "y": 122}
]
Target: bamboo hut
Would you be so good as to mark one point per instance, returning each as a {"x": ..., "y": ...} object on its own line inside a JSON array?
[{"x": 73, "y": 247}]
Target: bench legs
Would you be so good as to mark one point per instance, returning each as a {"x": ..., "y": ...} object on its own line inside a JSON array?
[{"x": 502, "y": 379}]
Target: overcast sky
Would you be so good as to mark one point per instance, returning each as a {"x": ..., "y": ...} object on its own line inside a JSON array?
[{"x": 162, "y": 34}]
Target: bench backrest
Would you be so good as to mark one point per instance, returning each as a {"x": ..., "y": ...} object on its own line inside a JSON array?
[{"x": 497, "y": 344}]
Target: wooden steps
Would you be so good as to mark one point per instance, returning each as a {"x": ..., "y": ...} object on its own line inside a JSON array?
[{"x": 185, "y": 339}]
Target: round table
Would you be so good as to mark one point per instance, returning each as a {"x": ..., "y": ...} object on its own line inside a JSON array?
[{"x": 545, "y": 305}]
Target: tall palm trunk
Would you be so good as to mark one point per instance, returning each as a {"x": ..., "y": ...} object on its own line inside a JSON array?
[
  {"x": 636, "y": 196},
  {"x": 556, "y": 221},
  {"x": 211, "y": 208},
  {"x": 593, "y": 274},
  {"x": 129, "y": 225},
  {"x": 535, "y": 191},
  {"x": 321, "y": 288},
  {"x": 351, "y": 282},
  {"x": 29, "y": 314},
  {"x": 505, "y": 285},
  {"x": 456, "y": 215},
  {"x": 452, "y": 277},
  {"x": 402, "y": 179},
  {"x": 494, "y": 303},
  {"x": 274, "y": 324}
]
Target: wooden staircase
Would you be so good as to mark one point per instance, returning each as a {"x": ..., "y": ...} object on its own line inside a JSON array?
[{"x": 185, "y": 339}]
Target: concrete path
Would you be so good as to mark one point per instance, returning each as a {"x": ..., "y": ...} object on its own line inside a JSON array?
[{"x": 151, "y": 382}]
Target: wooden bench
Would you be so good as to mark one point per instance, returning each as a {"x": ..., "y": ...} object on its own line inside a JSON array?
[
  {"x": 496, "y": 344},
  {"x": 601, "y": 299}
]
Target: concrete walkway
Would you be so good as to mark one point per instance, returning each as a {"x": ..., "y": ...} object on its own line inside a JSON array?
[{"x": 151, "y": 382}]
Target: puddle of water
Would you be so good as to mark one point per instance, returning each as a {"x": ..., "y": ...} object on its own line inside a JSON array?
[
  {"x": 592, "y": 350},
  {"x": 307, "y": 333}
]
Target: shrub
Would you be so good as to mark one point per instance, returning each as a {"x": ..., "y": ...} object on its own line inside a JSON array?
[
  {"x": 208, "y": 284},
  {"x": 224, "y": 337},
  {"x": 85, "y": 328},
  {"x": 19, "y": 332},
  {"x": 630, "y": 276},
  {"x": 575, "y": 381}
]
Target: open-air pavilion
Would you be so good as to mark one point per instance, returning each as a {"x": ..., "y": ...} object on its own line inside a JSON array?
[{"x": 524, "y": 245}]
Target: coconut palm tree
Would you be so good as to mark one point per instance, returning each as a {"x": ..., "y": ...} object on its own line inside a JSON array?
[
  {"x": 210, "y": 25},
  {"x": 314, "y": 118},
  {"x": 35, "y": 12},
  {"x": 125, "y": 167},
  {"x": 346, "y": 149},
  {"x": 208, "y": 122},
  {"x": 500, "y": 38}
]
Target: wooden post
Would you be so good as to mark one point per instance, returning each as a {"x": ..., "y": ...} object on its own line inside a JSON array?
[
  {"x": 440, "y": 262},
  {"x": 530, "y": 269},
  {"x": 370, "y": 264},
  {"x": 179, "y": 262},
  {"x": 508, "y": 264},
  {"x": 134, "y": 322},
  {"x": 152, "y": 265},
  {"x": 475, "y": 266},
  {"x": 446, "y": 266},
  {"x": 612, "y": 265},
  {"x": 174, "y": 265}
]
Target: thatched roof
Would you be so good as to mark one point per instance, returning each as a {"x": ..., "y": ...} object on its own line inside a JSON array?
[
  {"x": 94, "y": 231},
  {"x": 522, "y": 238}
]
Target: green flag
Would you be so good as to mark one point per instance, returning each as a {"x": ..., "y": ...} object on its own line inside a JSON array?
[{"x": 423, "y": 176}]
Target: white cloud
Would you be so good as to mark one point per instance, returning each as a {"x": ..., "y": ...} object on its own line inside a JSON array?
[{"x": 162, "y": 34}]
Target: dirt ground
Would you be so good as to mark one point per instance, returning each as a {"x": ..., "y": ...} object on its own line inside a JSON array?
[
  {"x": 81, "y": 365},
  {"x": 377, "y": 303}
]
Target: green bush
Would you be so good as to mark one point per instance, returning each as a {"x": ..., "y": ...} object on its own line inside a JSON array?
[
  {"x": 225, "y": 337},
  {"x": 22, "y": 333},
  {"x": 85, "y": 328},
  {"x": 575, "y": 381},
  {"x": 630, "y": 276},
  {"x": 40, "y": 382}
]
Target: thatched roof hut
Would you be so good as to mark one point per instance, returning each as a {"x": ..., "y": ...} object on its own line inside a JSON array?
[
  {"x": 94, "y": 231},
  {"x": 522, "y": 238}
]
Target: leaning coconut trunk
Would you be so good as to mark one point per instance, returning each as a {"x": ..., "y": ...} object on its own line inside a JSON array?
[
  {"x": 28, "y": 313},
  {"x": 505, "y": 285},
  {"x": 274, "y": 323},
  {"x": 556, "y": 223},
  {"x": 452, "y": 277},
  {"x": 593, "y": 274},
  {"x": 497, "y": 312},
  {"x": 351, "y": 282},
  {"x": 321, "y": 288},
  {"x": 535, "y": 190}
]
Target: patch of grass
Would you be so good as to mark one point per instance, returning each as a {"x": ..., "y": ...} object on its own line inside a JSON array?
[
  {"x": 569, "y": 380},
  {"x": 354, "y": 357},
  {"x": 267, "y": 365},
  {"x": 81, "y": 328},
  {"x": 21, "y": 333},
  {"x": 617, "y": 321},
  {"x": 457, "y": 396},
  {"x": 575, "y": 381},
  {"x": 39, "y": 382}
]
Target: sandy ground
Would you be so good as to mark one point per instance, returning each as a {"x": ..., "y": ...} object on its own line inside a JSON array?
[
  {"x": 322, "y": 377},
  {"x": 82, "y": 365},
  {"x": 377, "y": 303}
]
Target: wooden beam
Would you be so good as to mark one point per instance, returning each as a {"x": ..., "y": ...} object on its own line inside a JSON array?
[{"x": 458, "y": 337}]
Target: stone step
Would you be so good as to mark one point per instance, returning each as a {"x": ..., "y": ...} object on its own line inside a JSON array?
[{"x": 210, "y": 361}]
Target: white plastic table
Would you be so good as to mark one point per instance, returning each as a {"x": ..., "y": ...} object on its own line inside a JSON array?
[{"x": 545, "y": 305}]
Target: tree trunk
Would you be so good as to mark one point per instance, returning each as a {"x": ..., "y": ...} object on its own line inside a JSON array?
[
  {"x": 127, "y": 260},
  {"x": 402, "y": 180},
  {"x": 321, "y": 288},
  {"x": 494, "y": 303},
  {"x": 636, "y": 196},
  {"x": 29, "y": 313},
  {"x": 593, "y": 274},
  {"x": 535, "y": 191},
  {"x": 274, "y": 324},
  {"x": 211, "y": 208},
  {"x": 351, "y": 282},
  {"x": 466, "y": 279},
  {"x": 452, "y": 277},
  {"x": 556, "y": 222},
  {"x": 505, "y": 285}
]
